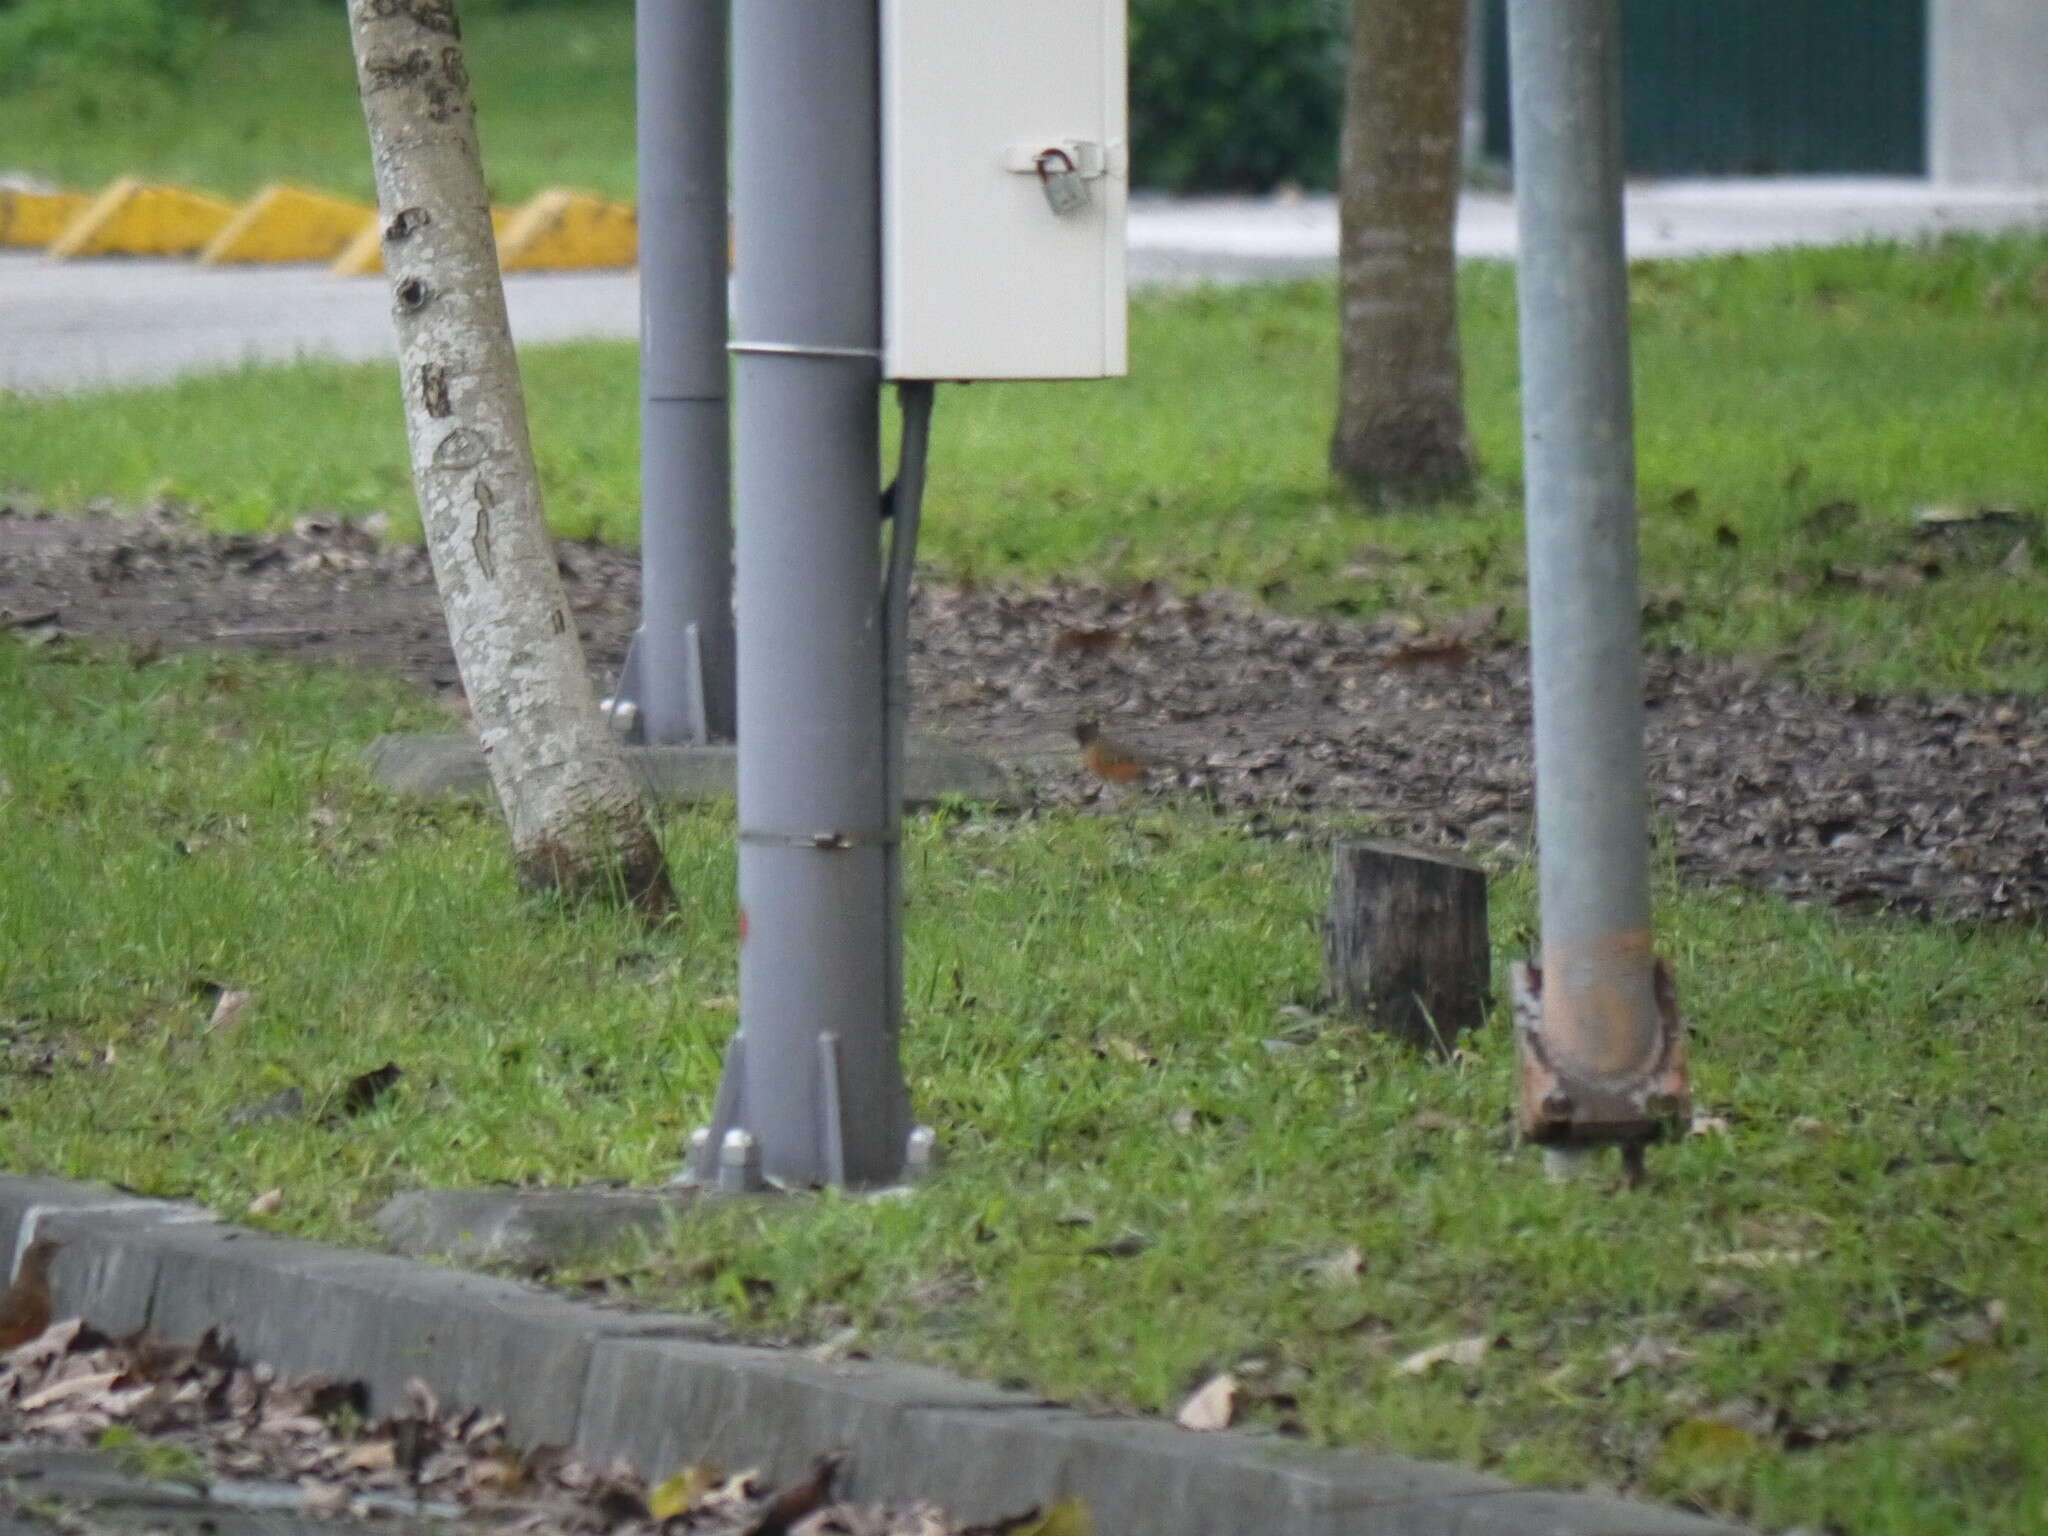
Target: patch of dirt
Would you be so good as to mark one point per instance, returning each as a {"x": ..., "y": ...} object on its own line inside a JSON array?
[{"x": 1936, "y": 806}]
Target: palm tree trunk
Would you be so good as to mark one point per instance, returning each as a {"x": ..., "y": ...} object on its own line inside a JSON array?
[{"x": 1401, "y": 432}]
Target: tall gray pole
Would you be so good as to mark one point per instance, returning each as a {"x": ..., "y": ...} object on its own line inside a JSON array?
[
  {"x": 679, "y": 672},
  {"x": 813, "y": 1076},
  {"x": 1602, "y": 1056}
]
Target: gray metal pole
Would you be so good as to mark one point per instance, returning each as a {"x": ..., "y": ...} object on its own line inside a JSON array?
[
  {"x": 679, "y": 672},
  {"x": 1603, "y": 1053},
  {"x": 813, "y": 1076}
]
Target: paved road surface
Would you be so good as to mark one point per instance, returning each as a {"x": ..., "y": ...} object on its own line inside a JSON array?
[{"x": 67, "y": 326}]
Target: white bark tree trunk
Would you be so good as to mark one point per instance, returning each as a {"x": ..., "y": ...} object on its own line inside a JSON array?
[
  {"x": 1401, "y": 432},
  {"x": 577, "y": 821}
]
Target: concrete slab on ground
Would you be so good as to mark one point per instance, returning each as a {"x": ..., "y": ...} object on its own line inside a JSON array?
[
  {"x": 657, "y": 1390},
  {"x": 428, "y": 765},
  {"x": 87, "y": 323},
  {"x": 54, "y": 1492},
  {"x": 525, "y": 1228}
]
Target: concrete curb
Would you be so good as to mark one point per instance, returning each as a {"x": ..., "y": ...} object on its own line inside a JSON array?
[
  {"x": 660, "y": 1390},
  {"x": 427, "y": 765}
]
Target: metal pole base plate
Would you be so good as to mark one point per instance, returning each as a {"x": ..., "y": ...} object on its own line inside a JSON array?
[{"x": 1564, "y": 1105}]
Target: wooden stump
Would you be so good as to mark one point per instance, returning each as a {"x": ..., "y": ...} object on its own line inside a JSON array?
[{"x": 1404, "y": 941}]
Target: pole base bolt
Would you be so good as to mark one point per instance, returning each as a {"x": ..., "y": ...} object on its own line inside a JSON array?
[
  {"x": 739, "y": 1163},
  {"x": 698, "y": 1167},
  {"x": 921, "y": 1154},
  {"x": 622, "y": 715}
]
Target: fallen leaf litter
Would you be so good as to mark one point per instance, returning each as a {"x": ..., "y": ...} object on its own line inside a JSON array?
[{"x": 242, "y": 1433}]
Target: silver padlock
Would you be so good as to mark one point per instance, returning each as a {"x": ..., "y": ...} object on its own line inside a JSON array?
[{"x": 1065, "y": 191}]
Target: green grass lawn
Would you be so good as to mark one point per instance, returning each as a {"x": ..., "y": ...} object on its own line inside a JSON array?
[
  {"x": 1152, "y": 1136},
  {"x": 1150, "y": 1132},
  {"x": 554, "y": 91},
  {"x": 1795, "y": 411}
]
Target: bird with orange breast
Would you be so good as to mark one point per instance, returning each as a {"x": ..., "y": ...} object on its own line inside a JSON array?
[
  {"x": 26, "y": 1305},
  {"x": 1108, "y": 759}
]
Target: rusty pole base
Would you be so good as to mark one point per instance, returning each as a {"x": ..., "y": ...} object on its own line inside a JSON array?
[{"x": 1567, "y": 1107}]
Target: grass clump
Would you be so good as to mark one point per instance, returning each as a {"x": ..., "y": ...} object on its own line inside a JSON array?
[
  {"x": 275, "y": 100},
  {"x": 1796, "y": 410},
  {"x": 1153, "y": 1136}
]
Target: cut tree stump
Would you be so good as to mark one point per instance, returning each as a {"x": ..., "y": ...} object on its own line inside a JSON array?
[{"x": 1404, "y": 941}]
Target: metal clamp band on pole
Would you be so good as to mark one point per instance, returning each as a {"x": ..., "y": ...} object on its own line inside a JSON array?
[
  {"x": 818, "y": 840},
  {"x": 802, "y": 349}
]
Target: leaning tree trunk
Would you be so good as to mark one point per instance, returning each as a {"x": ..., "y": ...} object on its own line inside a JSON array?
[
  {"x": 577, "y": 821},
  {"x": 1400, "y": 410}
]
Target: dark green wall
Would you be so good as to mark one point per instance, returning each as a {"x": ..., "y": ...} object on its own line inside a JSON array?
[{"x": 1748, "y": 87}]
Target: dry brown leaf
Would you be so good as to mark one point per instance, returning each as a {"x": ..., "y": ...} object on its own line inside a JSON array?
[
  {"x": 1829, "y": 518},
  {"x": 320, "y": 1496},
  {"x": 366, "y": 1088},
  {"x": 371, "y": 1456},
  {"x": 1339, "y": 1268},
  {"x": 1092, "y": 640},
  {"x": 1430, "y": 650},
  {"x": 1759, "y": 1258},
  {"x": 1069, "y": 1517},
  {"x": 1213, "y": 1405},
  {"x": 77, "y": 1422},
  {"x": 842, "y": 1345},
  {"x": 1127, "y": 1050},
  {"x": 46, "y": 1346},
  {"x": 1713, "y": 1440},
  {"x": 1960, "y": 1361},
  {"x": 1646, "y": 1353},
  {"x": 499, "y": 1472},
  {"x": 1708, "y": 1125},
  {"x": 1463, "y": 1352},
  {"x": 1663, "y": 605},
  {"x": 1933, "y": 519},
  {"x": 679, "y": 1494},
  {"x": 268, "y": 1203},
  {"x": 77, "y": 1386},
  {"x": 1976, "y": 1344}
]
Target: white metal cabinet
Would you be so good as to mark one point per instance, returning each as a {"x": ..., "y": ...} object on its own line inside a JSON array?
[{"x": 981, "y": 277}]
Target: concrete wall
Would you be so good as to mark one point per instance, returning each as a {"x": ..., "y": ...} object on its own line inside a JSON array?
[{"x": 1987, "y": 91}]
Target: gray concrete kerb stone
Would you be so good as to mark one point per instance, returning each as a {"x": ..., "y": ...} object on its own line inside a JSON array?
[
  {"x": 424, "y": 766},
  {"x": 660, "y": 1390}
]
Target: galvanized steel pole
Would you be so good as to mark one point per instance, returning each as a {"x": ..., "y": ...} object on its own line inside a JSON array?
[
  {"x": 813, "y": 1078},
  {"x": 679, "y": 671},
  {"x": 1603, "y": 1058}
]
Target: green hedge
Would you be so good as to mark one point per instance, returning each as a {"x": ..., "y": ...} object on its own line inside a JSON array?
[{"x": 1236, "y": 95}]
